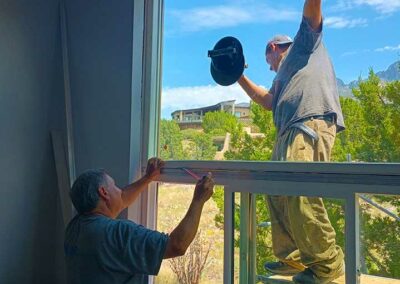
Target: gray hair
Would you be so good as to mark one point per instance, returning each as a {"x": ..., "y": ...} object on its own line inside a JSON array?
[{"x": 84, "y": 192}]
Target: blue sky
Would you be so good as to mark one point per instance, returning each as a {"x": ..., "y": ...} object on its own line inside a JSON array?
[{"x": 359, "y": 34}]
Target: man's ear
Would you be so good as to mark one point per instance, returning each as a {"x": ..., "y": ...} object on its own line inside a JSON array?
[{"x": 103, "y": 193}]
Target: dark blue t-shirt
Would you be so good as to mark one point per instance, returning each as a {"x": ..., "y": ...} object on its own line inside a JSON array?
[{"x": 100, "y": 250}]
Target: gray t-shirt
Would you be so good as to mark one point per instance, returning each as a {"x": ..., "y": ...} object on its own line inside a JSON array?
[
  {"x": 305, "y": 84},
  {"x": 103, "y": 250}
]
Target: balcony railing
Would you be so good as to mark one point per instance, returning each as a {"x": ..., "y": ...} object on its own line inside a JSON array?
[{"x": 332, "y": 180}]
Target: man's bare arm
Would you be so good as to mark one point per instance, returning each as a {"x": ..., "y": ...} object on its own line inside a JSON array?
[
  {"x": 132, "y": 191},
  {"x": 313, "y": 12},
  {"x": 260, "y": 95},
  {"x": 182, "y": 236}
]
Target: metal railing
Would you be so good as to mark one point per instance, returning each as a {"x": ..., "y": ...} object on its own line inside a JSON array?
[
  {"x": 379, "y": 207},
  {"x": 333, "y": 180}
]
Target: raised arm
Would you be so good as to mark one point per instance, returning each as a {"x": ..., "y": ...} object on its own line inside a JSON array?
[
  {"x": 259, "y": 95},
  {"x": 131, "y": 192},
  {"x": 182, "y": 236},
  {"x": 312, "y": 11}
]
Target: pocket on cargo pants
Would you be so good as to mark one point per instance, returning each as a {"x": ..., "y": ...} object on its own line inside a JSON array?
[{"x": 301, "y": 149}]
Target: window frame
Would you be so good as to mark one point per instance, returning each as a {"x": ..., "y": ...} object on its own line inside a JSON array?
[{"x": 335, "y": 180}]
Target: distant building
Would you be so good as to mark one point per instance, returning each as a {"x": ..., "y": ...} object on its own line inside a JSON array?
[{"x": 192, "y": 118}]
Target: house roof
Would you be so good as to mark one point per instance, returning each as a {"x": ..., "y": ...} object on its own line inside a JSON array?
[
  {"x": 207, "y": 108},
  {"x": 213, "y": 107},
  {"x": 242, "y": 105}
]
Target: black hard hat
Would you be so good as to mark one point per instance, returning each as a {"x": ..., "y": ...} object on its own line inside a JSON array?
[{"x": 227, "y": 61}]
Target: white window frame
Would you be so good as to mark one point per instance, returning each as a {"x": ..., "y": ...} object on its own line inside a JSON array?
[{"x": 146, "y": 81}]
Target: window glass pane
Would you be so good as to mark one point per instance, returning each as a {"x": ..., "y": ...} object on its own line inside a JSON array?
[
  {"x": 208, "y": 246},
  {"x": 380, "y": 237},
  {"x": 202, "y": 120},
  {"x": 366, "y": 71},
  {"x": 297, "y": 234}
]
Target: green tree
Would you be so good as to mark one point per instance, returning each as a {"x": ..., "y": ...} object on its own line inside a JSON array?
[
  {"x": 380, "y": 105},
  {"x": 381, "y": 243},
  {"x": 352, "y": 139},
  {"x": 219, "y": 123},
  {"x": 264, "y": 120},
  {"x": 244, "y": 147},
  {"x": 198, "y": 145},
  {"x": 170, "y": 140}
]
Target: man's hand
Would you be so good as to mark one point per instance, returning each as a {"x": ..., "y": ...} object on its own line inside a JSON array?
[
  {"x": 204, "y": 189},
  {"x": 154, "y": 166}
]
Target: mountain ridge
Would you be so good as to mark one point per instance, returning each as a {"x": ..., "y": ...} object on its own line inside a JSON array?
[{"x": 392, "y": 73}]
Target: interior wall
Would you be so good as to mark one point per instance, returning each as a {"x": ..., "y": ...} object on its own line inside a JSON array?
[
  {"x": 31, "y": 104},
  {"x": 100, "y": 48}
]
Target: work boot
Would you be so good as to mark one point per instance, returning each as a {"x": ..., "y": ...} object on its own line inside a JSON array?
[
  {"x": 281, "y": 268},
  {"x": 308, "y": 277}
]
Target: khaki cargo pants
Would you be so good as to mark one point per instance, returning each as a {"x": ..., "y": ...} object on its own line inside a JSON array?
[{"x": 301, "y": 230}]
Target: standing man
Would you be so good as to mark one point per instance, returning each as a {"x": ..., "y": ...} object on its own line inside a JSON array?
[
  {"x": 307, "y": 114},
  {"x": 102, "y": 249}
]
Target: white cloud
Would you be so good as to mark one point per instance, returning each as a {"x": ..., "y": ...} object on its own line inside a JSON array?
[
  {"x": 388, "y": 48},
  {"x": 381, "y": 6},
  {"x": 210, "y": 18},
  {"x": 341, "y": 5},
  {"x": 340, "y": 22},
  {"x": 199, "y": 96},
  {"x": 216, "y": 17}
]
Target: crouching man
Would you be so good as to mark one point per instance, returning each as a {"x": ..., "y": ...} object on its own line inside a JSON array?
[{"x": 102, "y": 249}]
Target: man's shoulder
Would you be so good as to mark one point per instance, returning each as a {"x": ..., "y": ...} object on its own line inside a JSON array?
[
  {"x": 90, "y": 222},
  {"x": 124, "y": 227},
  {"x": 305, "y": 26},
  {"x": 307, "y": 39},
  {"x": 110, "y": 223},
  {"x": 124, "y": 224}
]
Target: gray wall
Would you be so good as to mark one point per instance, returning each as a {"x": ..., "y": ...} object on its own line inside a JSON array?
[
  {"x": 32, "y": 103},
  {"x": 100, "y": 44}
]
